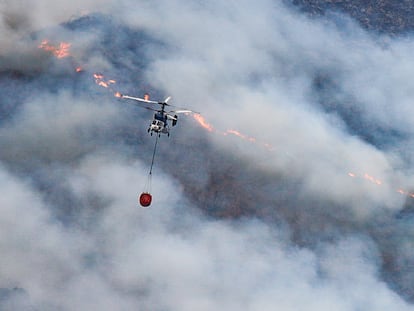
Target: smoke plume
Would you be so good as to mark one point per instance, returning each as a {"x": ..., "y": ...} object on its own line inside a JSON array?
[{"x": 292, "y": 189}]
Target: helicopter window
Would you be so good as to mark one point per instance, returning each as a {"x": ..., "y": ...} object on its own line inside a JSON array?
[{"x": 157, "y": 123}]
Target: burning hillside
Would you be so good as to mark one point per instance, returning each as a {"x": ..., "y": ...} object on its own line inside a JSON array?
[{"x": 294, "y": 179}]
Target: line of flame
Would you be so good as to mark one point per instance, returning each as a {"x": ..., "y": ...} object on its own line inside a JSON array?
[
  {"x": 378, "y": 182},
  {"x": 203, "y": 123},
  {"x": 62, "y": 51}
]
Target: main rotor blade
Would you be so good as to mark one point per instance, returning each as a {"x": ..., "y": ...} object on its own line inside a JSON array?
[
  {"x": 148, "y": 108},
  {"x": 139, "y": 99},
  {"x": 171, "y": 117},
  {"x": 183, "y": 111}
]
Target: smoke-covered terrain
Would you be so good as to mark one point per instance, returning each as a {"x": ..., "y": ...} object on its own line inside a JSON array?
[
  {"x": 385, "y": 16},
  {"x": 294, "y": 191}
]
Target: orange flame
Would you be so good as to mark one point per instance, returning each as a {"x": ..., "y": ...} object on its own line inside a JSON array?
[
  {"x": 372, "y": 179},
  {"x": 378, "y": 182},
  {"x": 238, "y": 134},
  {"x": 60, "y": 51},
  {"x": 203, "y": 122},
  {"x": 99, "y": 79}
]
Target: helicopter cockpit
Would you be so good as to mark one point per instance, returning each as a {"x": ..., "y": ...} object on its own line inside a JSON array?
[{"x": 156, "y": 126}]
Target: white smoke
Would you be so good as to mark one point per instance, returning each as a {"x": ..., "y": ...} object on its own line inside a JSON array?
[
  {"x": 256, "y": 75},
  {"x": 244, "y": 66}
]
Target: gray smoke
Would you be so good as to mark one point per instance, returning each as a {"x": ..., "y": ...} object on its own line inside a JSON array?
[{"x": 308, "y": 208}]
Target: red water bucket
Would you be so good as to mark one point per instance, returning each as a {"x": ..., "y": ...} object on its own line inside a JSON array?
[{"x": 145, "y": 199}]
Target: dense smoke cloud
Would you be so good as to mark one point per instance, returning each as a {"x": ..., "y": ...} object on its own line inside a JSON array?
[
  {"x": 323, "y": 118},
  {"x": 25, "y": 16},
  {"x": 264, "y": 72}
]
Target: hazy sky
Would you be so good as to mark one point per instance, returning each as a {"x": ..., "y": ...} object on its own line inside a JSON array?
[{"x": 328, "y": 106}]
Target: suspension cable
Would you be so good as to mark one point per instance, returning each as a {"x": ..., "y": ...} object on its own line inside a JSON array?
[
  {"x": 153, "y": 154},
  {"x": 148, "y": 185}
]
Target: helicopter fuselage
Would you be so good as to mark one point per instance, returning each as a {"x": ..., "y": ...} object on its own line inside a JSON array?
[{"x": 159, "y": 124}]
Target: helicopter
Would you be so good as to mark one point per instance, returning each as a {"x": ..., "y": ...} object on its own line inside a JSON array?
[{"x": 159, "y": 124}]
